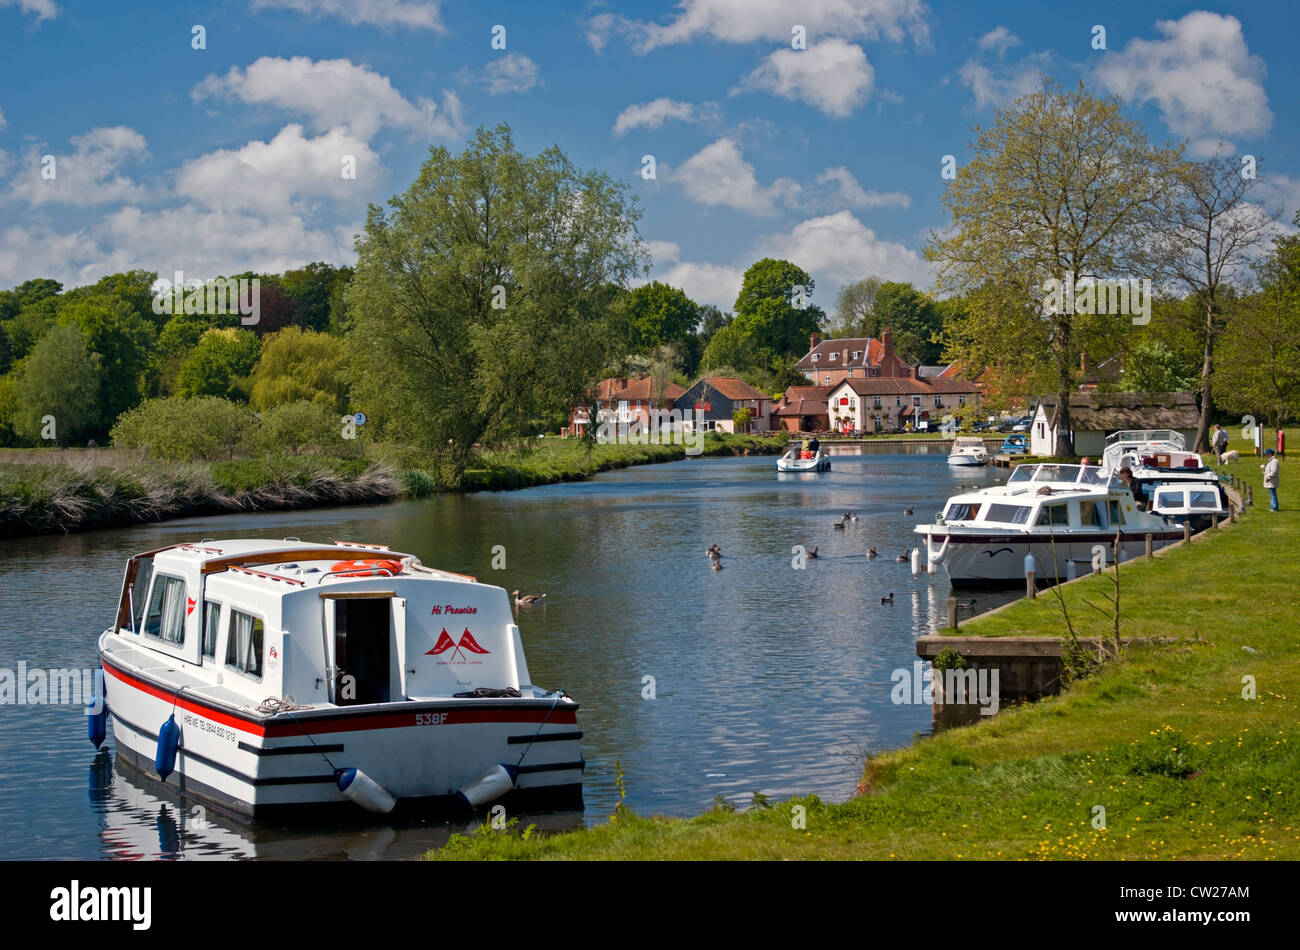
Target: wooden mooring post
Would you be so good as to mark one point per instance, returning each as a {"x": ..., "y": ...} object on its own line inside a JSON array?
[
  {"x": 1187, "y": 532},
  {"x": 952, "y": 612},
  {"x": 1150, "y": 546},
  {"x": 1031, "y": 585},
  {"x": 1250, "y": 495}
]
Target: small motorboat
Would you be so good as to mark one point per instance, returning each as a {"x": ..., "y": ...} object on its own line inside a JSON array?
[
  {"x": 800, "y": 461},
  {"x": 1015, "y": 444},
  {"x": 968, "y": 450},
  {"x": 281, "y": 677}
]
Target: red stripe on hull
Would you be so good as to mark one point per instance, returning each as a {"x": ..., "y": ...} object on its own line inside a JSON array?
[{"x": 344, "y": 721}]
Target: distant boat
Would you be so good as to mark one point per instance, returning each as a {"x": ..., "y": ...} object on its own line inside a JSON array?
[
  {"x": 793, "y": 462},
  {"x": 968, "y": 450}
]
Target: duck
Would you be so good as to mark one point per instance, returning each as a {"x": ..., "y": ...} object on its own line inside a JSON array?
[
  {"x": 812, "y": 552},
  {"x": 902, "y": 558},
  {"x": 966, "y": 604},
  {"x": 871, "y": 553},
  {"x": 887, "y": 600},
  {"x": 714, "y": 552},
  {"x": 717, "y": 563},
  {"x": 853, "y": 516},
  {"x": 527, "y": 600},
  {"x": 839, "y": 525},
  {"x": 909, "y": 509}
]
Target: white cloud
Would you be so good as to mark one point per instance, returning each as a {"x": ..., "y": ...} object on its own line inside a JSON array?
[
  {"x": 44, "y": 9},
  {"x": 333, "y": 92},
  {"x": 1201, "y": 74},
  {"x": 994, "y": 83},
  {"x": 838, "y": 248},
  {"x": 747, "y": 21},
  {"x": 719, "y": 175},
  {"x": 705, "y": 283},
  {"x": 512, "y": 72},
  {"x": 89, "y": 175},
  {"x": 833, "y": 76},
  {"x": 652, "y": 115},
  {"x": 847, "y": 191},
  {"x": 999, "y": 40},
  {"x": 276, "y": 177},
  {"x": 410, "y": 14},
  {"x": 663, "y": 252}
]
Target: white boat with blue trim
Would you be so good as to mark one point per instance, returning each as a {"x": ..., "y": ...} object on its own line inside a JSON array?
[{"x": 275, "y": 677}]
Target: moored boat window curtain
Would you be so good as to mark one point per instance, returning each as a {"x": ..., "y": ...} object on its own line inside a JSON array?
[
  {"x": 244, "y": 647},
  {"x": 173, "y": 614}
]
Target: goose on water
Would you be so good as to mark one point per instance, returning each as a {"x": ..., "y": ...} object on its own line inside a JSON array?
[
  {"x": 887, "y": 600},
  {"x": 527, "y": 600}
]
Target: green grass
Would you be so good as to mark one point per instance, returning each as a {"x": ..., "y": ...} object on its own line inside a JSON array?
[{"x": 1162, "y": 739}]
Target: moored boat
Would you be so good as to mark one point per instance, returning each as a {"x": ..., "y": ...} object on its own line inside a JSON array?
[
  {"x": 968, "y": 450},
  {"x": 1059, "y": 514},
  {"x": 271, "y": 677}
]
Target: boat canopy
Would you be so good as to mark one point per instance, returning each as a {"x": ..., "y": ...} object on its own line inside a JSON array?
[
  {"x": 1052, "y": 473},
  {"x": 1171, "y": 436}
]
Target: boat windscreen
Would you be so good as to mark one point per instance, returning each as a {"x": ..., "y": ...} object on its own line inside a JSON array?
[
  {"x": 1204, "y": 499},
  {"x": 1023, "y": 473},
  {"x": 1009, "y": 514}
]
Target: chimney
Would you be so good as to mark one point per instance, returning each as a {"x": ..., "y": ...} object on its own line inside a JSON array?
[
  {"x": 845, "y": 357},
  {"x": 887, "y": 357},
  {"x": 814, "y": 340},
  {"x": 1084, "y": 367}
]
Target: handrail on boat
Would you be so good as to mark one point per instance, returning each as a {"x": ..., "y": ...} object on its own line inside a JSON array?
[{"x": 274, "y": 577}]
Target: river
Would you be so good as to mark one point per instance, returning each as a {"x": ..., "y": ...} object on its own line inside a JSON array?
[{"x": 766, "y": 678}]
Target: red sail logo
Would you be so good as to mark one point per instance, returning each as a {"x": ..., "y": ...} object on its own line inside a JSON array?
[{"x": 467, "y": 642}]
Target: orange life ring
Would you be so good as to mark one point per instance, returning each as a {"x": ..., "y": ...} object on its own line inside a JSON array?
[{"x": 366, "y": 567}]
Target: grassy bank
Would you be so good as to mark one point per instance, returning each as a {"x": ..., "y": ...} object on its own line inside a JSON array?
[
  {"x": 54, "y": 492},
  {"x": 1162, "y": 739}
]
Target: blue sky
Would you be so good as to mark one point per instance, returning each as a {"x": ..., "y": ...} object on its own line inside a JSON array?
[{"x": 228, "y": 158}]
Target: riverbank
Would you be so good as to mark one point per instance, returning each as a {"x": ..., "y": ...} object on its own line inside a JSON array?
[
  {"x": 1183, "y": 750},
  {"x": 52, "y": 492}
]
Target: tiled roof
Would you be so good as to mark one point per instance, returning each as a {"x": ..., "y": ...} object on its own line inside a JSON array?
[
  {"x": 869, "y": 351},
  {"x": 736, "y": 389},
  {"x": 805, "y": 401},
  {"x": 907, "y": 385},
  {"x": 641, "y": 390}
]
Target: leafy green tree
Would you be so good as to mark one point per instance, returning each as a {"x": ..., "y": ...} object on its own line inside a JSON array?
[
  {"x": 661, "y": 315},
  {"x": 1153, "y": 367},
  {"x": 914, "y": 319},
  {"x": 180, "y": 429},
  {"x": 774, "y": 308},
  {"x": 293, "y": 426},
  {"x": 121, "y": 338},
  {"x": 855, "y": 310},
  {"x": 60, "y": 378},
  {"x": 219, "y": 364},
  {"x": 479, "y": 305},
  {"x": 299, "y": 364},
  {"x": 711, "y": 321},
  {"x": 311, "y": 289},
  {"x": 1258, "y": 357},
  {"x": 31, "y": 323},
  {"x": 1062, "y": 187},
  {"x": 731, "y": 346}
]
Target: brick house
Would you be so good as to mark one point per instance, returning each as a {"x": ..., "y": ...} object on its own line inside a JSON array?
[
  {"x": 629, "y": 399},
  {"x": 719, "y": 397},
  {"x": 803, "y": 409},
  {"x": 830, "y": 362},
  {"x": 880, "y": 404}
]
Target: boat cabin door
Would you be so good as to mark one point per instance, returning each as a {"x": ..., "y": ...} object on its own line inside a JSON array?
[{"x": 369, "y": 647}]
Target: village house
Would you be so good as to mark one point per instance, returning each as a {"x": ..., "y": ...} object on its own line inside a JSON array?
[
  {"x": 829, "y": 362},
  {"x": 629, "y": 402},
  {"x": 1095, "y": 415},
  {"x": 803, "y": 409},
  {"x": 718, "y": 398},
  {"x": 883, "y": 404}
]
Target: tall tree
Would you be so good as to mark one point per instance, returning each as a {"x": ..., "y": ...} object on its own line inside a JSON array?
[
  {"x": 1062, "y": 187},
  {"x": 479, "y": 305},
  {"x": 1211, "y": 232},
  {"x": 855, "y": 309},
  {"x": 661, "y": 315},
  {"x": 774, "y": 307},
  {"x": 58, "y": 384},
  {"x": 913, "y": 318}
]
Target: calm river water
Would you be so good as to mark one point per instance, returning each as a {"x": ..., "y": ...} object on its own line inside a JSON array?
[{"x": 766, "y": 678}]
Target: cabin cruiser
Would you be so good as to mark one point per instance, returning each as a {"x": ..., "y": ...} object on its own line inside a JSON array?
[
  {"x": 1159, "y": 457},
  {"x": 1014, "y": 444},
  {"x": 1057, "y": 513},
  {"x": 799, "y": 461},
  {"x": 968, "y": 450},
  {"x": 275, "y": 676}
]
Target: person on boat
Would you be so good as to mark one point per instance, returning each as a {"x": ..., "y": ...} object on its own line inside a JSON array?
[
  {"x": 1126, "y": 473},
  {"x": 1270, "y": 470},
  {"x": 814, "y": 445},
  {"x": 1085, "y": 461},
  {"x": 806, "y": 452}
]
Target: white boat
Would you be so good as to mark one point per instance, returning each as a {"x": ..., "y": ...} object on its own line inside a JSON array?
[
  {"x": 968, "y": 450},
  {"x": 271, "y": 677},
  {"x": 791, "y": 462},
  {"x": 1172, "y": 480},
  {"x": 1060, "y": 514}
]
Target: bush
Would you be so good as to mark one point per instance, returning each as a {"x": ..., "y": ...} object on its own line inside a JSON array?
[
  {"x": 418, "y": 484},
  {"x": 178, "y": 429},
  {"x": 294, "y": 426}
]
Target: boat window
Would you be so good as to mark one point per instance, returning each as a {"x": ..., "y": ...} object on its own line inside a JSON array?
[
  {"x": 1204, "y": 499},
  {"x": 166, "y": 616},
  {"x": 1054, "y": 514},
  {"x": 1116, "y": 513},
  {"x": 211, "y": 614},
  {"x": 1092, "y": 476},
  {"x": 1023, "y": 473},
  {"x": 1091, "y": 514},
  {"x": 1011, "y": 514},
  {"x": 140, "y": 591},
  {"x": 961, "y": 511},
  {"x": 244, "y": 643}
]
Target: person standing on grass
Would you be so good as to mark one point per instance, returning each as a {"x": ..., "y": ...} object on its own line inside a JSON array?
[
  {"x": 1270, "y": 469},
  {"x": 1219, "y": 442}
]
